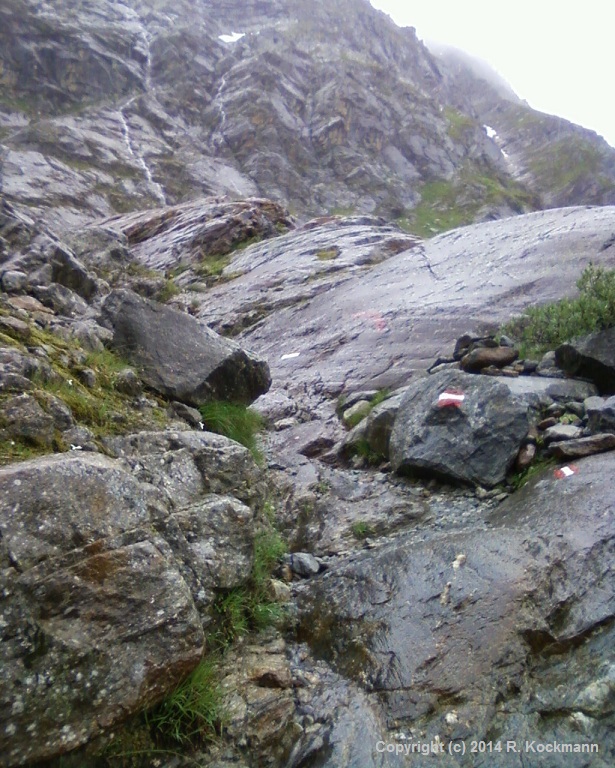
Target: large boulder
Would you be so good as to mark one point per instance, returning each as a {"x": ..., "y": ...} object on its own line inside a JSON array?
[
  {"x": 178, "y": 356},
  {"x": 592, "y": 357},
  {"x": 473, "y": 436},
  {"x": 109, "y": 568},
  {"x": 97, "y": 621},
  {"x": 470, "y": 633}
]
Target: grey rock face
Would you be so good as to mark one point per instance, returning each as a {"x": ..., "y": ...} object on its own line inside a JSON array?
[
  {"x": 179, "y": 357},
  {"x": 84, "y": 640},
  {"x": 186, "y": 465},
  {"x": 398, "y": 315},
  {"x": 358, "y": 126},
  {"x": 463, "y": 617},
  {"x": 109, "y": 568},
  {"x": 592, "y": 357},
  {"x": 198, "y": 230},
  {"x": 475, "y": 440},
  {"x": 601, "y": 414}
]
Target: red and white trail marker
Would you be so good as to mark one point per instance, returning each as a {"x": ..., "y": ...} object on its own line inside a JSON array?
[
  {"x": 564, "y": 472},
  {"x": 452, "y": 397}
]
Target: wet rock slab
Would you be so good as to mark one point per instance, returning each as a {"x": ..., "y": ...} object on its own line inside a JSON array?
[{"x": 482, "y": 626}]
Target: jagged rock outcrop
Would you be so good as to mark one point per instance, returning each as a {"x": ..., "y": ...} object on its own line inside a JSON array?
[
  {"x": 198, "y": 230},
  {"x": 321, "y": 107},
  {"x": 109, "y": 578},
  {"x": 178, "y": 357}
]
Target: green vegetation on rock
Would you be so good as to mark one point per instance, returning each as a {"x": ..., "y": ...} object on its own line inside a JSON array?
[
  {"x": 234, "y": 421},
  {"x": 445, "y": 205},
  {"x": 565, "y": 162},
  {"x": 458, "y": 123},
  {"x": 193, "y": 712},
  {"x": 102, "y": 408},
  {"x": 546, "y": 327},
  {"x": 328, "y": 254},
  {"x": 362, "y": 530},
  {"x": 251, "y": 608}
]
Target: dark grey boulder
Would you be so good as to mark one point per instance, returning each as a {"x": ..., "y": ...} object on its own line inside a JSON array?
[
  {"x": 591, "y": 357},
  {"x": 601, "y": 414},
  {"x": 178, "y": 356},
  {"x": 304, "y": 564},
  {"x": 475, "y": 441}
]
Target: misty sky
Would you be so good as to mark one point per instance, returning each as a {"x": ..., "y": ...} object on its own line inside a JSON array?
[{"x": 558, "y": 56}]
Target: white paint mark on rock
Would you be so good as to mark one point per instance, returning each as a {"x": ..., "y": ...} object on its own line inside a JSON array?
[
  {"x": 564, "y": 472},
  {"x": 232, "y": 38},
  {"x": 451, "y": 397},
  {"x": 290, "y": 356}
]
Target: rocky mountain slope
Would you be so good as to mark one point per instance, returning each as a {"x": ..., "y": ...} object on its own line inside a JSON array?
[
  {"x": 415, "y": 555},
  {"x": 324, "y": 107}
]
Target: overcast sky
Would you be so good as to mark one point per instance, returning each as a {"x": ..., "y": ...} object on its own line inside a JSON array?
[{"x": 558, "y": 56}]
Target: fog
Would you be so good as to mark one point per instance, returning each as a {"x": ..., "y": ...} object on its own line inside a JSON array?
[{"x": 556, "y": 56}]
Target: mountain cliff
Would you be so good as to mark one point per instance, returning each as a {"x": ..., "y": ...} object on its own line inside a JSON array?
[{"x": 324, "y": 107}]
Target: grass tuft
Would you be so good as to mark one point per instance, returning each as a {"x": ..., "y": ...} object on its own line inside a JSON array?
[
  {"x": 235, "y": 422},
  {"x": 193, "y": 713},
  {"x": 362, "y": 530}
]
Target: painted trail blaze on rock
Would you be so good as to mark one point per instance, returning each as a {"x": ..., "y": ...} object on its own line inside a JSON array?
[
  {"x": 451, "y": 397},
  {"x": 433, "y": 435},
  {"x": 567, "y": 471}
]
